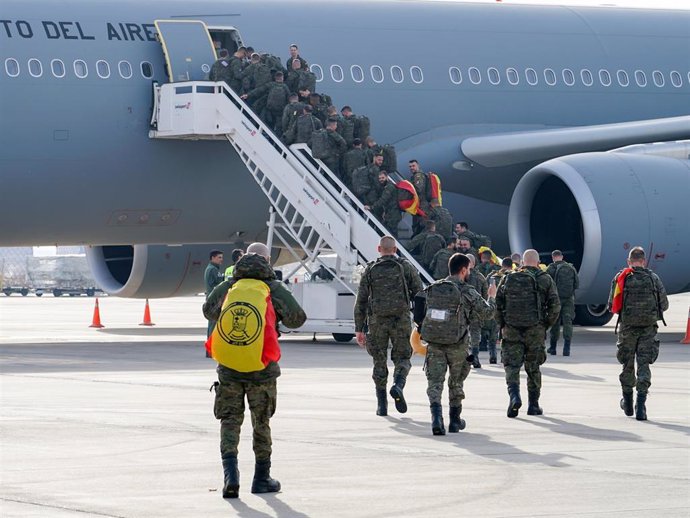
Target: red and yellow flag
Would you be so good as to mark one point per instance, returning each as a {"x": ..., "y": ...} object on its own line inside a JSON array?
[
  {"x": 408, "y": 200},
  {"x": 435, "y": 182},
  {"x": 617, "y": 303}
]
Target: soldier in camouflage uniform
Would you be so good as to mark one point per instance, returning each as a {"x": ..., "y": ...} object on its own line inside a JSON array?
[
  {"x": 383, "y": 305},
  {"x": 419, "y": 180},
  {"x": 353, "y": 159},
  {"x": 465, "y": 247},
  {"x": 642, "y": 304},
  {"x": 365, "y": 181},
  {"x": 478, "y": 282},
  {"x": 302, "y": 129},
  {"x": 386, "y": 207},
  {"x": 425, "y": 244},
  {"x": 444, "y": 310},
  {"x": 490, "y": 335},
  {"x": 526, "y": 306},
  {"x": 336, "y": 147},
  {"x": 486, "y": 267},
  {"x": 442, "y": 217},
  {"x": 565, "y": 276},
  {"x": 259, "y": 387},
  {"x": 439, "y": 263},
  {"x": 293, "y": 110}
]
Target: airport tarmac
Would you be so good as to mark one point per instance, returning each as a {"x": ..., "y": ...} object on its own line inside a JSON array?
[{"x": 117, "y": 422}]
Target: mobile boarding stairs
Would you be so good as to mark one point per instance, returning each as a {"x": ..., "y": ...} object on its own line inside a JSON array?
[{"x": 312, "y": 213}]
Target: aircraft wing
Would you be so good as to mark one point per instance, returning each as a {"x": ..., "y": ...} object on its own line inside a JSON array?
[{"x": 528, "y": 146}]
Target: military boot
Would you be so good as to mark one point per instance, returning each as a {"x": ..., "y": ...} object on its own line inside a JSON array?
[
  {"x": 566, "y": 348},
  {"x": 627, "y": 403},
  {"x": 515, "y": 401},
  {"x": 552, "y": 347},
  {"x": 640, "y": 407},
  {"x": 533, "y": 407},
  {"x": 456, "y": 422},
  {"x": 475, "y": 358},
  {"x": 492, "y": 354},
  {"x": 437, "y": 426},
  {"x": 231, "y": 483},
  {"x": 396, "y": 393},
  {"x": 263, "y": 483},
  {"x": 382, "y": 402}
]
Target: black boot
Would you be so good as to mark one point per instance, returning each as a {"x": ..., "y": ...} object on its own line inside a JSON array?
[
  {"x": 627, "y": 403},
  {"x": 382, "y": 402},
  {"x": 566, "y": 348},
  {"x": 552, "y": 347},
  {"x": 231, "y": 483},
  {"x": 533, "y": 407},
  {"x": 263, "y": 483},
  {"x": 492, "y": 354},
  {"x": 437, "y": 426},
  {"x": 515, "y": 401},
  {"x": 475, "y": 358},
  {"x": 640, "y": 408},
  {"x": 456, "y": 422},
  {"x": 396, "y": 393}
]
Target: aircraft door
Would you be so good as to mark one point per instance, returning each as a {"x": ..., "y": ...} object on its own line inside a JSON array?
[{"x": 188, "y": 49}]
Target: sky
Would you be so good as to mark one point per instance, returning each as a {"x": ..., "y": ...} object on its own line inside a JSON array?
[{"x": 659, "y": 4}]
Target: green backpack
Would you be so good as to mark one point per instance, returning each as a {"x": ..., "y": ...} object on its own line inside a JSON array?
[
  {"x": 361, "y": 181},
  {"x": 319, "y": 144},
  {"x": 640, "y": 300},
  {"x": 565, "y": 280},
  {"x": 388, "y": 295},
  {"x": 432, "y": 244},
  {"x": 445, "y": 322},
  {"x": 523, "y": 304}
]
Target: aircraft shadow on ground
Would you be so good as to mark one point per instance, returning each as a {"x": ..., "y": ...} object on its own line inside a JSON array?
[{"x": 482, "y": 445}]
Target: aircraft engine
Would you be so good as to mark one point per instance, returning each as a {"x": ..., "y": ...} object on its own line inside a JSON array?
[{"x": 595, "y": 207}]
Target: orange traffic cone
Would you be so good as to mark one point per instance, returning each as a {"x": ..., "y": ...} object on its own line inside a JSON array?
[
  {"x": 96, "y": 321},
  {"x": 686, "y": 340},
  {"x": 147, "y": 316}
]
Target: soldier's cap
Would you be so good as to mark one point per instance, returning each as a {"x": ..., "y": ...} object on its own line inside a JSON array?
[
  {"x": 357, "y": 142},
  {"x": 557, "y": 252},
  {"x": 345, "y": 108}
]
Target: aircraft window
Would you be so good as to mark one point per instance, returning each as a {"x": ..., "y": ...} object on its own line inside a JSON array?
[
  {"x": 568, "y": 77},
  {"x": 513, "y": 76},
  {"x": 549, "y": 77},
  {"x": 456, "y": 75},
  {"x": 35, "y": 68},
  {"x": 146, "y": 69},
  {"x": 12, "y": 67},
  {"x": 337, "y": 73},
  {"x": 357, "y": 73},
  {"x": 640, "y": 78},
  {"x": 103, "y": 69},
  {"x": 58, "y": 68},
  {"x": 80, "y": 69},
  {"x": 475, "y": 75},
  {"x": 676, "y": 79},
  {"x": 125, "y": 69},
  {"x": 317, "y": 71},
  {"x": 397, "y": 74},
  {"x": 416, "y": 74},
  {"x": 531, "y": 76},
  {"x": 658, "y": 78},
  {"x": 494, "y": 76},
  {"x": 586, "y": 77},
  {"x": 604, "y": 77},
  {"x": 623, "y": 78},
  {"x": 376, "y": 73}
]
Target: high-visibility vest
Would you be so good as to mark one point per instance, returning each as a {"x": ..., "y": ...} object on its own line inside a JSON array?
[
  {"x": 229, "y": 271},
  {"x": 245, "y": 338}
]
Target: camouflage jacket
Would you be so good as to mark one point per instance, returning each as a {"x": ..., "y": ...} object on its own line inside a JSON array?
[
  {"x": 443, "y": 219},
  {"x": 353, "y": 159},
  {"x": 549, "y": 298},
  {"x": 290, "y": 114},
  {"x": 303, "y": 127},
  {"x": 661, "y": 295},
  {"x": 419, "y": 181},
  {"x": 288, "y": 311},
  {"x": 478, "y": 282},
  {"x": 336, "y": 144},
  {"x": 487, "y": 269},
  {"x": 387, "y": 204},
  {"x": 220, "y": 71},
  {"x": 556, "y": 266},
  {"x": 439, "y": 263},
  {"x": 362, "y": 302}
]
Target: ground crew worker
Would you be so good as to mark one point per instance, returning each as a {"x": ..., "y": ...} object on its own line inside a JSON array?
[
  {"x": 442, "y": 217},
  {"x": 336, "y": 147},
  {"x": 443, "y": 311},
  {"x": 565, "y": 276},
  {"x": 419, "y": 180},
  {"x": 526, "y": 306},
  {"x": 353, "y": 159},
  {"x": 212, "y": 278},
  {"x": 236, "y": 380},
  {"x": 479, "y": 283},
  {"x": 439, "y": 263},
  {"x": 365, "y": 181},
  {"x": 425, "y": 244},
  {"x": 234, "y": 257},
  {"x": 490, "y": 331},
  {"x": 386, "y": 207},
  {"x": 639, "y": 298},
  {"x": 382, "y": 311}
]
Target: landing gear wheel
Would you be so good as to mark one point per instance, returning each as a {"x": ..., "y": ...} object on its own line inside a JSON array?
[
  {"x": 24, "y": 292},
  {"x": 57, "y": 293},
  {"x": 342, "y": 337},
  {"x": 592, "y": 315}
]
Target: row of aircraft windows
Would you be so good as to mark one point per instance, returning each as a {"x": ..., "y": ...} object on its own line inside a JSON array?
[
  {"x": 80, "y": 67},
  {"x": 512, "y": 76}
]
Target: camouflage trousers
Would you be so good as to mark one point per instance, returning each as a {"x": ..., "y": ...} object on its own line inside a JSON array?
[
  {"x": 396, "y": 331},
  {"x": 391, "y": 222},
  {"x": 229, "y": 409},
  {"x": 489, "y": 334},
  {"x": 566, "y": 319},
  {"x": 640, "y": 343},
  {"x": 442, "y": 358},
  {"x": 475, "y": 334},
  {"x": 524, "y": 346}
]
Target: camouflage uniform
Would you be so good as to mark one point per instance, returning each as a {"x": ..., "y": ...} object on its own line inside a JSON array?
[
  {"x": 382, "y": 329},
  {"x": 639, "y": 342},
  {"x": 566, "y": 284},
  {"x": 386, "y": 208},
  {"x": 336, "y": 147},
  {"x": 470, "y": 250},
  {"x": 478, "y": 282},
  {"x": 526, "y": 344},
  {"x": 487, "y": 269},
  {"x": 220, "y": 71},
  {"x": 259, "y": 387},
  {"x": 365, "y": 184},
  {"x": 443, "y": 219},
  {"x": 302, "y": 129},
  {"x": 290, "y": 114},
  {"x": 439, "y": 264},
  {"x": 489, "y": 335},
  {"x": 425, "y": 245},
  {"x": 353, "y": 159}
]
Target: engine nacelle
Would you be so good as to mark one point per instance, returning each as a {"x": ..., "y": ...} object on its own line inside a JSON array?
[
  {"x": 151, "y": 271},
  {"x": 596, "y": 206}
]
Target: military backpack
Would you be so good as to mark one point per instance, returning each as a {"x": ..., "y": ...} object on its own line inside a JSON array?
[
  {"x": 320, "y": 147},
  {"x": 347, "y": 129},
  {"x": 564, "y": 278},
  {"x": 307, "y": 81},
  {"x": 277, "y": 97},
  {"x": 640, "y": 300},
  {"x": 361, "y": 181},
  {"x": 362, "y": 127},
  {"x": 390, "y": 158},
  {"x": 445, "y": 321},
  {"x": 262, "y": 75},
  {"x": 388, "y": 292},
  {"x": 432, "y": 244},
  {"x": 523, "y": 299}
]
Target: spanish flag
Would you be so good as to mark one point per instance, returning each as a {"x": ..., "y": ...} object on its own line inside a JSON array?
[
  {"x": 408, "y": 200},
  {"x": 617, "y": 303},
  {"x": 435, "y": 183}
]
